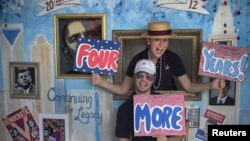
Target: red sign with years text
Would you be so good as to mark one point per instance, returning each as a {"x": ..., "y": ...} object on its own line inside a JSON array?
[{"x": 223, "y": 61}]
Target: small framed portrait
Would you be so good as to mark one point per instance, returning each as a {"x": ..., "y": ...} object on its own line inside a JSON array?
[
  {"x": 193, "y": 116},
  {"x": 225, "y": 96},
  {"x": 53, "y": 127},
  {"x": 224, "y": 40},
  {"x": 68, "y": 28},
  {"x": 24, "y": 80}
]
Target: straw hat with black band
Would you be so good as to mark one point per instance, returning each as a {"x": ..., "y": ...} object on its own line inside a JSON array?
[{"x": 158, "y": 30}]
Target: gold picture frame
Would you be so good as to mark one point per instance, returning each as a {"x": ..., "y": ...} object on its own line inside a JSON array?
[
  {"x": 69, "y": 27},
  {"x": 24, "y": 80},
  {"x": 132, "y": 43}
]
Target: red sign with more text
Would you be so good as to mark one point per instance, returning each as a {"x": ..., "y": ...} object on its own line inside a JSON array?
[{"x": 162, "y": 114}]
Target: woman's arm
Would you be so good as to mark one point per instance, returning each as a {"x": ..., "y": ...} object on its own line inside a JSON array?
[
  {"x": 119, "y": 89},
  {"x": 198, "y": 87}
]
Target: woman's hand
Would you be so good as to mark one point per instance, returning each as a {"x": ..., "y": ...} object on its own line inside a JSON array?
[
  {"x": 96, "y": 79},
  {"x": 218, "y": 84}
]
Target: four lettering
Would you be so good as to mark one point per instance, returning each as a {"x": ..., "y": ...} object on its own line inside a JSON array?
[{"x": 103, "y": 59}]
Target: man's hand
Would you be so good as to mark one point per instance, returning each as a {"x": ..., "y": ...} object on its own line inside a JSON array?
[{"x": 161, "y": 138}]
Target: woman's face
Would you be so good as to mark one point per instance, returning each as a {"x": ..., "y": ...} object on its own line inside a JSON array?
[{"x": 157, "y": 47}]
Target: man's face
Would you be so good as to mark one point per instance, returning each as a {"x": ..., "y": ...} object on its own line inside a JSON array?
[
  {"x": 24, "y": 78},
  {"x": 192, "y": 115},
  {"x": 75, "y": 30},
  {"x": 223, "y": 92},
  {"x": 157, "y": 46},
  {"x": 143, "y": 82}
]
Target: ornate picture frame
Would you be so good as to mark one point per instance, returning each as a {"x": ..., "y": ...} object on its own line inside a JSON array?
[
  {"x": 68, "y": 28},
  {"x": 24, "y": 80},
  {"x": 132, "y": 43}
]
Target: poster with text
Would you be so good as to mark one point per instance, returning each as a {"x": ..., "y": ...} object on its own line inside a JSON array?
[
  {"x": 21, "y": 125},
  {"x": 97, "y": 56},
  {"x": 223, "y": 61},
  {"x": 159, "y": 114},
  {"x": 210, "y": 117}
]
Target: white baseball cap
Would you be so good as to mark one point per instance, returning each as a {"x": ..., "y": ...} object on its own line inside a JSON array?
[{"x": 145, "y": 65}]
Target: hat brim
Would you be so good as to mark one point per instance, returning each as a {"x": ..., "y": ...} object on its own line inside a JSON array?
[
  {"x": 145, "y": 35},
  {"x": 145, "y": 69}
]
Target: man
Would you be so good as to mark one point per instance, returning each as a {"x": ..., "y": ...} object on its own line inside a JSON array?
[
  {"x": 144, "y": 77},
  {"x": 223, "y": 98},
  {"x": 24, "y": 84}
]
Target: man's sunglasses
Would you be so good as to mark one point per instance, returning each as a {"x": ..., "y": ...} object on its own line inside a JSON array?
[{"x": 140, "y": 75}]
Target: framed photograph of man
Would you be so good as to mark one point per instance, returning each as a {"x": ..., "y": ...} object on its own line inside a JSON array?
[
  {"x": 192, "y": 116},
  {"x": 53, "y": 127},
  {"x": 24, "y": 80},
  {"x": 225, "y": 96},
  {"x": 68, "y": 28}
]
